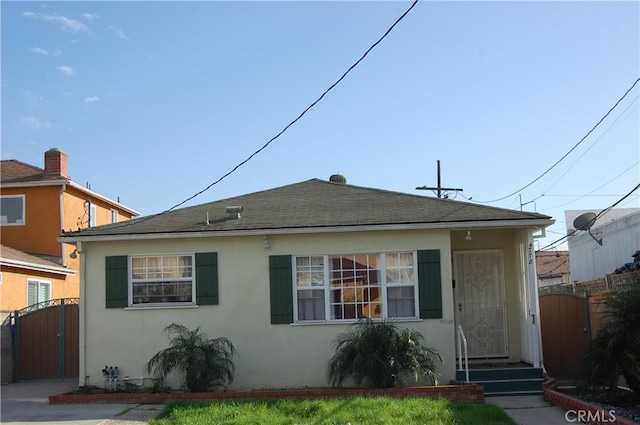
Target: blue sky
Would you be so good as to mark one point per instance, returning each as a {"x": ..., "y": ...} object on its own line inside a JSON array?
[{"x": 153, "y": 101}]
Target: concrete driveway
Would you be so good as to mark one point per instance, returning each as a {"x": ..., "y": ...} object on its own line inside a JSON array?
[{"x": 28, "y": 403}]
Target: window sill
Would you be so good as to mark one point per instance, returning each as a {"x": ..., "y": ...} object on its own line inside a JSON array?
[
  {"x": 350, "y": 322},
  {"x": 160, "y": 307}
]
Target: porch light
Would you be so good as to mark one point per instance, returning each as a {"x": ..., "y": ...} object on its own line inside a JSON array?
[{"x": 468, "y": 237}]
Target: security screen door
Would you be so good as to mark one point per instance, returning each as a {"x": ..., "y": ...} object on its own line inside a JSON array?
[{"x": 480, "y": 302}]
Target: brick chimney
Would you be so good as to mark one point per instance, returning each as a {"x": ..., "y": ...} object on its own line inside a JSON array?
[{"x": 55, "y": 163}]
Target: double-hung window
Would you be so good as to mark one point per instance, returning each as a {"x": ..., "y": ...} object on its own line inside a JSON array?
[
  {"x": 162, "y": 279},
  {"x": 355, "y": 286}
]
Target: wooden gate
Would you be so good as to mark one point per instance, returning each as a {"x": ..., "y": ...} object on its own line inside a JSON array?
[
  {"x": 46, "y": 340},
  {"x": 564, "y": 321}
]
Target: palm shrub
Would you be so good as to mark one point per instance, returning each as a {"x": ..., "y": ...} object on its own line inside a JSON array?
[
  {"x": 615, "y": 350},
  {"x": 378, "y": 354},
  {"x": 203, "y": 363}
]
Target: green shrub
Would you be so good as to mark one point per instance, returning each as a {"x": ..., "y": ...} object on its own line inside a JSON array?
[
  {"x": 378, "y": 354},
  {"x": 204, "y": 363},
  {"x": 615, "y": 350}
]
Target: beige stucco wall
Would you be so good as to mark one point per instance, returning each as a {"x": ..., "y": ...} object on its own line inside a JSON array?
[{"x": 270, "y": 356}]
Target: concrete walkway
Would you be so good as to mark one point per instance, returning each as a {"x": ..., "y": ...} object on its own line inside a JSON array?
[
  {"x": 530, "y": 410},
  {"x": 28, "y": 403}
]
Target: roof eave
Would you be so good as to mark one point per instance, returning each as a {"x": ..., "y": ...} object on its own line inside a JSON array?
[
  {"x": 71, "y": 183},
  {"x": 36, "y": 267},
  {"x": 468, "y": 225}
]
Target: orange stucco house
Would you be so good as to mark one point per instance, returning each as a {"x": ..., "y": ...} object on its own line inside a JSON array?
[{"x": 36, "y": 206}]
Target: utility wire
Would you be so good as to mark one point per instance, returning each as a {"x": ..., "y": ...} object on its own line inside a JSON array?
[
  {"x": 140, "y": 220},
  {"x": 589, "y": 194},
  {"x": 570, "y": 150},
  {"x": 604, "y": 211},
  {"x": 604, "y": 134}
]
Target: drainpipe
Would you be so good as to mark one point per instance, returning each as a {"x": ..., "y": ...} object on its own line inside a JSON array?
[
  {"x": 533, "y": 302},
  {"x": 62, "y": 244},
  {"x": 82, "y": 331}
]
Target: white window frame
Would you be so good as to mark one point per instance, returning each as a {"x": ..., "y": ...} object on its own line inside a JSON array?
[
  {"x": 114, "y": 216},
  {"x": 384, "y": 285},
  {"x": 39, "y": 285},
  {"x": 132, "y": 280},
  {"x": 93, "y": 212},
  {"x": 20, "y": 221}
]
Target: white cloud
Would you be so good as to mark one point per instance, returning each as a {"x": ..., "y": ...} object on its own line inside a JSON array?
[
  {"x": 35, "y": 124},
  {"x": 91, "y": 99},
  {"x": 32, "y": 99},
  {"x": 39, "y": 51},
  {"x": 45, "y": 52},
  {"x": 118, "y": 32},
  {"x": 66, "y": 69},
  {"x": 89, "y": 16},
  {"x": 67, "y": 24}
]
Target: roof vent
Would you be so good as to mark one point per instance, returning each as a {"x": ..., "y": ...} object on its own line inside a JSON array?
[
  {"x": 234, "y": 212},
  {"x": 338, "y": 178}
]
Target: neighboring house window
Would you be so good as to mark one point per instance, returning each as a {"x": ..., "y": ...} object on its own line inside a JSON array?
[
  {"x": 93, "y": 212},
  {"x": 38, "y": 291},
  {"x": 12, "y": 210},
  {"x": 351, "y": 287},
  {"x": 114, "y": 216},
  {"x": 162, "y": 279}
]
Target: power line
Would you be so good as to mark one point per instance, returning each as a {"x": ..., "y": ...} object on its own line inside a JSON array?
[
  {"x": 597, "y": 188},
  {"x": 604, "y": 211},
  {"x": 570, "y": 150},
  {"x": 140, "y": 220},
  {"x": 604, "y": 133}
]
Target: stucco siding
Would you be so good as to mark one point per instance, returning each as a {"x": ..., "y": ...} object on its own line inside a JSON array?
[
  {"x": 41, "y": 223},
  {"x": 270, "y": 356},
  {"x": 13, "y": 290}
]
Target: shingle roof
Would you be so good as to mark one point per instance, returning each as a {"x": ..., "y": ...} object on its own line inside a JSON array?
[
  {"x": 12, "y": 254},
  {"x": 552, "y": 262},
  {"x": 13, "y": 171},
  {"x": 313, "y": 204}
]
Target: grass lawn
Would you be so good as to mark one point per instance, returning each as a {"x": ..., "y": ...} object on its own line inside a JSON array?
[{"x": 357, "y": 410}]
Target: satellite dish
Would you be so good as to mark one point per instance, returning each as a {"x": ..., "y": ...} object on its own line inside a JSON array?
[{"x": 584, "y": 222}]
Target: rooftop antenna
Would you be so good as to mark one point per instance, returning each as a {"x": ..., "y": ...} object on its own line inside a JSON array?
[{"x": 584, "y": 222}]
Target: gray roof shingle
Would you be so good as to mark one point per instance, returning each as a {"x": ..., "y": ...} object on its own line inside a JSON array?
[{"x": 313, "y": 204}]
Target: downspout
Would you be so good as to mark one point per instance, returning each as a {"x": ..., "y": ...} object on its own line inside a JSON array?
[
  {"x": 62, "y": 244},
  {"x": 82, "y": 328},
  {"x": 533, "y": 302}
]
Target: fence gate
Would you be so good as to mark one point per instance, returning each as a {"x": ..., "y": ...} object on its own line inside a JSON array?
[
  {"x": 564, "y": 321},
  {"x": 46, "y": 340}
]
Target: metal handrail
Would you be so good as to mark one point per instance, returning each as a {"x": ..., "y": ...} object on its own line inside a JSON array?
[{"x": 462, "y": 341}]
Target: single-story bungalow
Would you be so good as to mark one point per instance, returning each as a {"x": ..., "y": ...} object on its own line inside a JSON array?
[{"x": 282, "y": 272}]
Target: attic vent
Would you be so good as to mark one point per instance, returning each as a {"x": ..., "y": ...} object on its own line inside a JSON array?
[
  {"x": 338, "y": 178},
  {"x": 234, "y": 212}
]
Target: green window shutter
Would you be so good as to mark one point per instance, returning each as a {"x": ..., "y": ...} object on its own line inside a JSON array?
[
  {"x": 281, "y": 289},
  {"x": 429, "y": 284},
  {"x": 117, "y": 282},
  {"x": 207, "y": 278}
]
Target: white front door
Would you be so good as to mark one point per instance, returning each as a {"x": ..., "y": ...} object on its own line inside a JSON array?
[{"x": 480, "y": 302}]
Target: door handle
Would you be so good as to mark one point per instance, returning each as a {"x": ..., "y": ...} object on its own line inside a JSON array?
[{"x": 459, "y": 306}]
